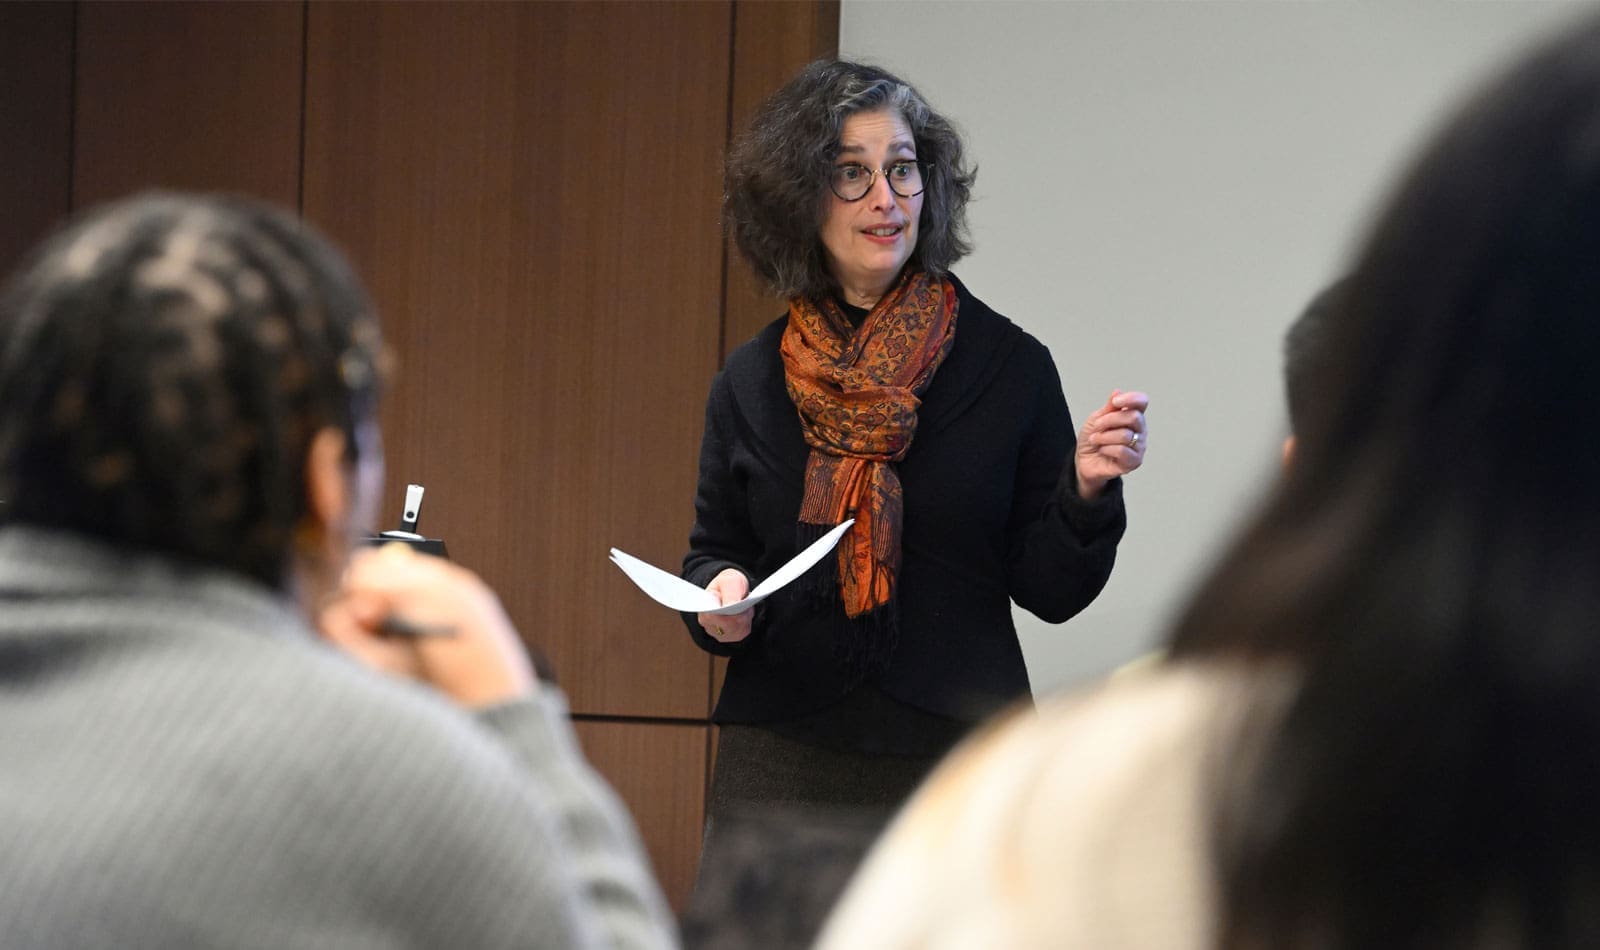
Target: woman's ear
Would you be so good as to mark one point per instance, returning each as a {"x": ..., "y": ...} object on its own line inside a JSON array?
[{"x": 327, "y": 475}]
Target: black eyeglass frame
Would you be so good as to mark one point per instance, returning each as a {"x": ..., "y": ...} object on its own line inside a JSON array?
[{"x": 923, "y": 168}]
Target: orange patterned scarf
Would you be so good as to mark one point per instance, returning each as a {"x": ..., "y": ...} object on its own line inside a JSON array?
[{"x": 857, "y": 393}]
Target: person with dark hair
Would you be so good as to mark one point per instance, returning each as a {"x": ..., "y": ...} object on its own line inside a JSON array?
[
  {"x": 889, "y": 394},
  {"x": 777, "y": 873},
  {"x": 1304, "y": 348},
  {"x": 189, "y": 450},
  {"x": 1378, "y": 722}
]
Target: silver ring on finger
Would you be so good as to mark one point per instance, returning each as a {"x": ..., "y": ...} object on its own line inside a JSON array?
[{"x": 1133, "y": 441}]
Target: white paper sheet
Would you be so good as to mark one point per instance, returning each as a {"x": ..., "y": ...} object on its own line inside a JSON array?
[{"x": 677, "y": 593}]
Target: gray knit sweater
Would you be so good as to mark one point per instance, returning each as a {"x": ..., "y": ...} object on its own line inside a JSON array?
[{"x": 182, "y": 763}]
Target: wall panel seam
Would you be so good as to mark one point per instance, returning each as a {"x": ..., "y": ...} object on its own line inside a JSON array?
[{"x": 646, "y": 720}]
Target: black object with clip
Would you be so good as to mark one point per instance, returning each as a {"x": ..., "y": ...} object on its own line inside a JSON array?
[{"x": 407, "y": 533}]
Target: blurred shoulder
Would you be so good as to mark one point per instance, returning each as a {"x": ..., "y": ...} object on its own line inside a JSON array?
[
  {"x": 1100, "y": 742},
  {"x": 1085, "y": 823},
  {"x": 407, "y": 729},
  {"x": 316, "y": 713}
]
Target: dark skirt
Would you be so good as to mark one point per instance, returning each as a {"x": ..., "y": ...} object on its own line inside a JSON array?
[{"x": 760, "y": 766}]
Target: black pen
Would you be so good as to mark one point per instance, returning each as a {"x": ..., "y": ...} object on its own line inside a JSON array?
[{"x": 396, "y": 625}]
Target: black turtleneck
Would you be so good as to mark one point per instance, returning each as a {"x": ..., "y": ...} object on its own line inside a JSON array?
[{"x": 854, "y": 314}]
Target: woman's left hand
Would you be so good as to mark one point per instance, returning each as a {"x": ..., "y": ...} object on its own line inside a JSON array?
[{"x": 1112, "y": 442}]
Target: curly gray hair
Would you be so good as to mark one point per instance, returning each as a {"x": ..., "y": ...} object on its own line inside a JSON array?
[{"x": 776, "y": 180}]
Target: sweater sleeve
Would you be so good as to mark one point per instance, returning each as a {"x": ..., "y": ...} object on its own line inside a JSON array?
[
  {"x": 603, "y": 852},
  {"x": 410, "y": 823},
  {"x": 1102, "y": 800},
  {"x": 1061, "y": 546},
  {"x": 722, "y": 536}
]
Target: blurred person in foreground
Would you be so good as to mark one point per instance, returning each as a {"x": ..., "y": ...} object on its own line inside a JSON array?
[
  {"x": 1305, "y": 350},
  {"x": 1379, "y": 720},
  {"x": 189, "y": 449}
]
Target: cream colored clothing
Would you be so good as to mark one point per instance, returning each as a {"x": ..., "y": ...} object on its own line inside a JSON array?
[{"x": 1084, "y": 825}]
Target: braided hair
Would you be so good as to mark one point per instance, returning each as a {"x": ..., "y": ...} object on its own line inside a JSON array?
[{"x": 165, "y": 362}]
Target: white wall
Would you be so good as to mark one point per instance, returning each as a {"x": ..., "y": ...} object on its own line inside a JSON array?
[{"x": 1163, "y": 185}]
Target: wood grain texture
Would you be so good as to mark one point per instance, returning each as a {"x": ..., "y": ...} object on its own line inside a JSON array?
[
  {"x": 197, "y": 96},
  {"x": 659, "y": 772},
  {"x": 35, "y": 124},
  {"x": 772, "y": 40},
  {"x": 531, "y": 191}
]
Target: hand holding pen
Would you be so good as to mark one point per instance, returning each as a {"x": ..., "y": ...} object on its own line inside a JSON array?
[{"x": 424, "y": 618}]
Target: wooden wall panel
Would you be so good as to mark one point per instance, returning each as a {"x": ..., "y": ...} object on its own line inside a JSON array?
[
  {"x": 772, "y": 40},
  {"x": 659, "y": 771},
  {"x": 531, "y": 191},
  {"x": 201, "y": 96},
  {"x": 35, "y": 124}
]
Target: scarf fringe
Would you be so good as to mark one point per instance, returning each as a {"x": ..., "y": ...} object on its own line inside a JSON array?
[
  {"x": 864, "y": 645},
  {"x": 822, "y": 580}
]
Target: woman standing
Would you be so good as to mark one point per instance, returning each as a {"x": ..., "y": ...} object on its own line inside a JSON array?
[{"x": 889, "y": 394}]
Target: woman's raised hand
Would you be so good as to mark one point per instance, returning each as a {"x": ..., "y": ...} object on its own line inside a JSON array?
[{"x": 1112, "y": 442}]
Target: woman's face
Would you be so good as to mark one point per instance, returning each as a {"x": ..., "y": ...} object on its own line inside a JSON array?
[{"x": 868, "y": 240}]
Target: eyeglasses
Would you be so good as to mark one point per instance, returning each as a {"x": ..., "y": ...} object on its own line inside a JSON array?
[{"x": 851, "y": 181}]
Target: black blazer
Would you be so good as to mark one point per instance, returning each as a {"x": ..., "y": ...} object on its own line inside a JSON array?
[{"x": 991, "y": 515}]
